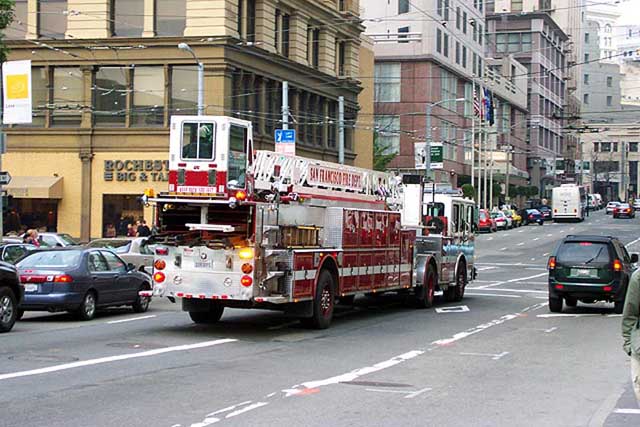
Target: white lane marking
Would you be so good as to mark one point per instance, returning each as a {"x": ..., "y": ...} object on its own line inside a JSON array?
[
  {"x": 551, "y": 315},
  {"x": 492, "y": 356},
  {"x": 490, "y": 238},
  {"x": 457, "y": 309},
  {"x": 417, "y": 393},
  {"x": 533, "y": 259},
  {"x": 503, "y": 249},
  {"x": 524, "y": 291},
  {"x": 117, "y": 358},
  {"x": 521, "y": 231},
  {"x": 377, "y": 390},
  {"x": 521, "y": 244},
  {"x": 473, "y": 294},
  {"x": 545, "y": 254},
  {"x": 627, "y": 411},
  {"x": 113, "y": 322},
  {"x": 633, "y": 243},
  {"x": 549, "y": 235},
  {"x": 228, "y": 408},
  {"x": 247, "y": 409},
  {"x": 537, "y": 238},
  {"x": 520, "y": 279},
  {"x": 487, "y": 268}
]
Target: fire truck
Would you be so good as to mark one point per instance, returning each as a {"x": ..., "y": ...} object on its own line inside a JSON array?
[{"x": 257, "y": 229}]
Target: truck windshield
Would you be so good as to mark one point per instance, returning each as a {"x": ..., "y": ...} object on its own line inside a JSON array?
[
  {"x": 237, "y": 157},
  {"x": 198, "y": 141},
  {"x": 435, "y": 209}
]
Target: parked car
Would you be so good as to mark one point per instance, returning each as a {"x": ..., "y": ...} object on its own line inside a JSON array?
[
  {"x": 610, "y": 207},
  {"x": 516, "y": 220},
  {"x": 80, "y": 280},
  {"x": 50, "y": 240},
  {"x": 136, "y": 251},
  {"x": 532, "y": 216},
  {"x": 545, "y": 211},
  {"x": 501, "y": 220},
  {"x": 589, "y": 269},
  {"x": 636, "y": 205},
  {"x": 11, "y": 252},
  {"x": 624, "y": 210},
  {"x": 485, "y": 222},
  {"x": 10, "y": 296}
]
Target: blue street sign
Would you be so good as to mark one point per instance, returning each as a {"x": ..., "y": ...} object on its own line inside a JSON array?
[{"x": 285, "y": 136}]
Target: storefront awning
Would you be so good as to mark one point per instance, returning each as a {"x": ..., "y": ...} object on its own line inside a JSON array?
[{"x": 35, "y": 187}]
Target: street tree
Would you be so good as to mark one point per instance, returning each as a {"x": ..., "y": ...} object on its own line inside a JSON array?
[{"x": 7, "y": 8}]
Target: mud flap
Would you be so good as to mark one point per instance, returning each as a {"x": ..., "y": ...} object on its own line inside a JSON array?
[
  {"x": 196, "y": 305},
  {"x": 299, "y": 309}
]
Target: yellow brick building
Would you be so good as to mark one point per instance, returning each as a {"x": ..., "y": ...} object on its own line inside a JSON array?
[{"x": 107, "y": 76}]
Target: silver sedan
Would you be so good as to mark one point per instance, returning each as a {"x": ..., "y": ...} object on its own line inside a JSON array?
[{"x": 136, "y": 251}]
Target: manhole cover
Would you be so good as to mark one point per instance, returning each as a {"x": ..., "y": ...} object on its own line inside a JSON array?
[
  {"x": 376, "y": 384},
  {"x": 44, "y": 358}
]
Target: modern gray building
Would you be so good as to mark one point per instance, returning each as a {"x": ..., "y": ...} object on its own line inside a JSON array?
[{"x": 536, "y": 41}]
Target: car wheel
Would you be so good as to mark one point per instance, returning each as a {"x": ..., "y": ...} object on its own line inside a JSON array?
[
  {"x": 323, "y": 303},
  {"x": 207, "y": 317},
  {"x": 425, "y": 294},
  {"x": 618, "y": 307},
  {"x": 555, "y": 305},
  {"x": 87, "y": 310},
  {"x": 571, "y": 301},
  {"x": 8, "y": 309},
  {"x": 141, "y": 304}
]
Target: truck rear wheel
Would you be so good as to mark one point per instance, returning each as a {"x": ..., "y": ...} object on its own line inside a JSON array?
[
  {"x": 456, "y": 293},
  {"x": 207, "y": 317},
  {"x": 323, "y": 303},
  {"x": 425, "y": 293}
]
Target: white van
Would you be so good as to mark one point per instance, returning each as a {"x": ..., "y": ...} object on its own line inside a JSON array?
[{"x": 569, "y": 202}]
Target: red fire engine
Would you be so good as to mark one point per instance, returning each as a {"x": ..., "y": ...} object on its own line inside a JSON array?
[{"x": 256, "y": 229}]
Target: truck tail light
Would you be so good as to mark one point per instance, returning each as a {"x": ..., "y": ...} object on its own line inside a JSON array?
[
  {"x": 247, "y": 268},
  {"x": 617, "y": 265},
  {"x": 160, "y": 264},
  {"x": 241, "y": 195},
  {"x": 162, "y": 251},
  {"x": 246, "y": 281},
  {"x": 552, "y": 263},
  {"x": 159, "y": 277},
  {"x": 63, "y": 278},
  {"x": 245, "y": 253}
]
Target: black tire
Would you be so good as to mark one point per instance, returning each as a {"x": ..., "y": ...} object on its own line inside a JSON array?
[
  {"x": 87, "y": 309},
  {"x": 618, "y": 307},
  {"x": 141, "y": 304},
  {"x": 555, "y": 305},
  {"x": 323, "y": 302},
  {"x": 8, "y": 309},
  {"x": 208, "y": 317},
  {"x": 425, "y": 295},
  {"x": 461, "y": 283},
  {"x": 20, "y": 314},
  {"x": 571, "y": 301}
]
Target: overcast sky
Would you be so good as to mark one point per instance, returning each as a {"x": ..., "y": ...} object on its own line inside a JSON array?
[{"x": 630, "y": 11}]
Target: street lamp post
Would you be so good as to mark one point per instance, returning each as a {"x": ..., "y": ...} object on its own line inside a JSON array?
[{"x": 187, "y": 48}]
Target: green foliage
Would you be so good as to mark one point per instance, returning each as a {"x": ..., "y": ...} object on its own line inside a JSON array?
[
  {"x": 521, "y": 190},
  {"x": 381, "y": 155},
  {"x": 6, "y": 18},
  {"x": 497, "y": 189},
  {"x": 469, "y": 191},
  {"x": 533, "y": 191}
]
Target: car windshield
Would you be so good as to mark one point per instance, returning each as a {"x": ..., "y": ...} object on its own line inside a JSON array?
[
  {"x": 613, "y": 204},
  {"x": 583, "y": 252},
  {"x": 51, "y": 259},
  {"x": 497, "y": 215},
  {"x": 118, "y": 246},
  {"x": 482, "y": 216},
  {"x": 624, "y": 206}
]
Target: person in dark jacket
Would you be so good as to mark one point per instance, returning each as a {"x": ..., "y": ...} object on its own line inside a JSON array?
[{"x": 143, "y": 229}]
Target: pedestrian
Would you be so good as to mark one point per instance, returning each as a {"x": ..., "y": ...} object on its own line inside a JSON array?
[
  {"x": 630, "y": 331},
  {"x": 131, "y": 231},
  {"x": 31, "y": 238},
  {"x": 111, "y": 231},
  {"x": 143, "y": 229}
]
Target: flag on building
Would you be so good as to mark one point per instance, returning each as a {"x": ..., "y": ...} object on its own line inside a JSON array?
[
  {"x": 477, "y": 107},
  {"x": 489, "y": 115}
]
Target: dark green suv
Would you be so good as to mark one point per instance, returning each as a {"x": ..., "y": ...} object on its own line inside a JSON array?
[{"x": 589, "y": 269}]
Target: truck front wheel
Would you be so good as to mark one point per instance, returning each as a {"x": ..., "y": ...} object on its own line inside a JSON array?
[
  {"x": 425, "y": 293},
  {"x": 323, "y": 302}
]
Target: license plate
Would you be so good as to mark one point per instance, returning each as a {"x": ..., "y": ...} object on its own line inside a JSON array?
[
  {"x": 30, "y": 287},
  {"x": 584, "y": 272},
  {"x": 202, "y": 264}
]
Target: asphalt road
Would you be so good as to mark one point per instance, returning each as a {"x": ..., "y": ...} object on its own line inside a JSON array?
[{"x": 500, "y": 359}]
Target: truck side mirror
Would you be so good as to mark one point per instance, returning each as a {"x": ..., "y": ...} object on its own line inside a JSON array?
[{"x": 634, "y": 258}]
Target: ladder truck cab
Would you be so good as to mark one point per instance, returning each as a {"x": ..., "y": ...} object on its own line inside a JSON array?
[
  {"x": 445, "y": 224},
  {"x": 256, "y": 229}
]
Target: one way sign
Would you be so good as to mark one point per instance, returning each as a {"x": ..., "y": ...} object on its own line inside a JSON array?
[{"x": 5, "y": 178}]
